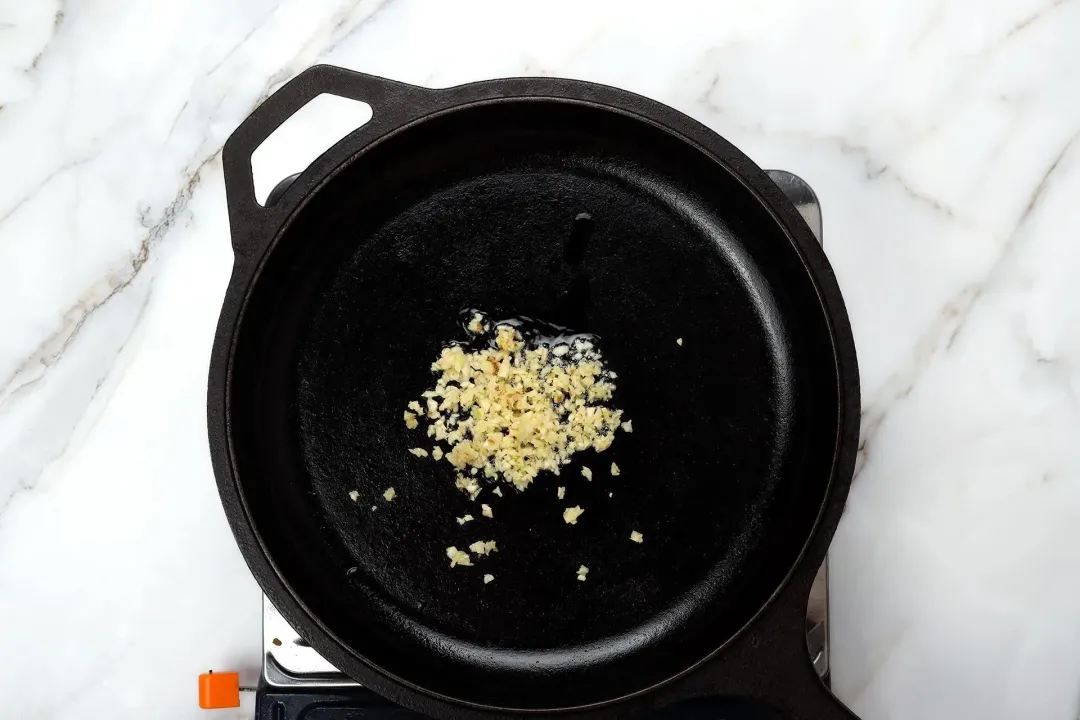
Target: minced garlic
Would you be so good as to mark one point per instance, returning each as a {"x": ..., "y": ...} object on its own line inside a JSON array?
[
  {"x": 419, "y": 452},
  {"x": 488, "y": 578},
  {"x": 678, "y": 341},
  {"x": 463, "y": 520},
  {"x": 497, "y": 491},
  {"x": 628, "y": 426},
  {"x": 468, "y": 485},
  {"x": 582, "y": 572},
  {"x": 571, "y": 514},
  {"x": 636, "y": 536},
  {"x": 514, "y": 410},
  {"x": 485, "y": 510},
  {"x": 615, "y": 470},
  {"x": 458, "y": 557},
  {"x": 410, "y": 420},
  {"x": 483, "y": 547},
  {"x": 476, "y": 325},
  {"x": 562, "y": 493},
  {"x": 389, "y": 494},
  {"x": 436, "y": 453},
  {"x": 353, "y": 495},
  {"x": 586, "y": 473}
]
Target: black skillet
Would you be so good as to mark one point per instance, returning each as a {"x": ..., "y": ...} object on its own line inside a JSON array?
[{"x": 581, "y": 205}]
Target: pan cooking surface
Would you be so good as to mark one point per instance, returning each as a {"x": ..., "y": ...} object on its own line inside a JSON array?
[
  {"x": 684, "y": 484},
  {"x": 575, "y": 217}
]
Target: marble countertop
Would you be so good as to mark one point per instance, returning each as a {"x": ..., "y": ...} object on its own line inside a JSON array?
[{"x": 941, "y": 138}]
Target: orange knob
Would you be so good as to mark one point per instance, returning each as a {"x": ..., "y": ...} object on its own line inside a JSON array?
[{"x": 219, "y": 690}]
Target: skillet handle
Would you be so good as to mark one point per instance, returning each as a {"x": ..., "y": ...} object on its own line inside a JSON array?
[
  {"x": 768, "y": 664},
  {"x": 393, "y": 104}
]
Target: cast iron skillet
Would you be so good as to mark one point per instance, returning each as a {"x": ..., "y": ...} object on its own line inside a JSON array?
[{"x": 576, "y": 204}]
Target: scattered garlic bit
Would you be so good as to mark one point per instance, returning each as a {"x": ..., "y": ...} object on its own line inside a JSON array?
[
  {"x": 468, "y": 485},
  {"x": 636, "y": 536},
  {"x": 476, "y": 325},
  {"x": 497, "y": 491},
  {"x": 483, "y": 547},
  {"x": 353, "y": 494},
  {"x": 419, "y": 452},
  {"x": 562, "y": 493},
  {"x": 570, "y": 515},
  {"x": 488, "y": 578},
  {"x": 611, "y": 494},
  {"x": 415, "y": 407},
  {"x": 628, "y": 426},
  {"x": 485, "y": 510},
  {"x": 389, "y": 494},
  {"x": 514, "y": 410},
  {"x": 410, "y": 420},
  {"x": 372, "y": 507},
  {"x": 679, "y": 342},
  {"x": 463, "y": 520},
  {"x": 458, "y": 557},
  {"x": 582, "y": 572},
  {"x": 586, "y": 473},
  {"x": 436, "y": 453}
]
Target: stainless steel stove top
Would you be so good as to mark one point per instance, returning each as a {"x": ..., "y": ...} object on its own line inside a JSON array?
[{"x": 289, "y": 662}]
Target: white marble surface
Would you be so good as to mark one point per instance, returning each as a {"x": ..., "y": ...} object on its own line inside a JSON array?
[{"x": 941, "y": 137}]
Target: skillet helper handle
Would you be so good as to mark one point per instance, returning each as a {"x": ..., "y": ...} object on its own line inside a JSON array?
[{"x": 393, "y": 104}]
